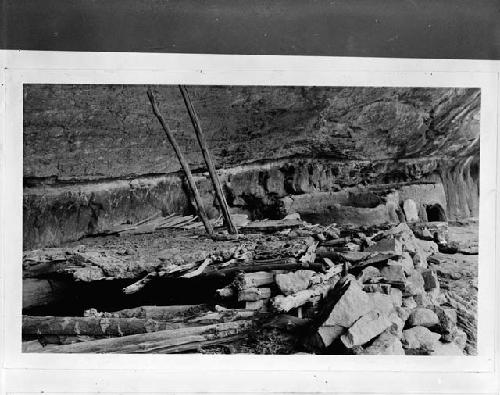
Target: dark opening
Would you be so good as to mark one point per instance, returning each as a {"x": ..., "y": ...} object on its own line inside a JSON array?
[{"x": 435, "y": 213}]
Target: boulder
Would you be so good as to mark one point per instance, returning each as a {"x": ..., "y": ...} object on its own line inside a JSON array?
[
  {"x": 385, "y": 344},
  {"x": 291, "y": 283},
  {"x": 411, "y": 210},
  {"x": 420, "y": 337},
  {"x": 366, "y": 328},
  {"x": 423, "y": 317},
  {"x": 353, "y": 304}
]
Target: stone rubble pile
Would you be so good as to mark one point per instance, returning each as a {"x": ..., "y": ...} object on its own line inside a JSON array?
[{"x": 377, "y": 295}]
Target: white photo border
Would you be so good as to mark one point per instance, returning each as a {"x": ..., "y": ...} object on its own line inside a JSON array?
[{"x": 258, "y": 372}]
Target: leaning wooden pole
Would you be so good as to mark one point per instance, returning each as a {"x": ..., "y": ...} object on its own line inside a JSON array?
[
  {"x": 185, "y": 167},
  {"x": 208, "y": 160}
]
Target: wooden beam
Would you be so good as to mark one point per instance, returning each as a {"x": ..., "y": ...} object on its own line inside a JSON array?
[
  {"x": 185, "y": 167},
  {"x": 93, "y": 326},
  {"x": 155, "y": 341},
  {"x": 208, "y": 160}
]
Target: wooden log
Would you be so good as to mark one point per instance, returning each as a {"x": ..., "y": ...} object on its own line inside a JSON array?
[
  {"x": 208, "y": 160},
  {"x": 271, "y": 226},
  {"x": 92, "y": 326},
  {"x": 278, "y": 264},
  {"x": 154, "y": 341},
  {"x": 198, "y": 345},
  {"x": 159, "y": 312},
  {"x": 138, "y": 285},
  {"x": 192, "y": 185}
]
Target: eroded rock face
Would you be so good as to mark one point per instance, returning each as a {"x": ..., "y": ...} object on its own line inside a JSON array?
[{"x": 269, "y": 142}]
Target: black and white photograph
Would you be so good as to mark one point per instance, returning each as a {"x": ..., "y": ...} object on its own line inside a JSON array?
[{"x": 250, "y": 219}]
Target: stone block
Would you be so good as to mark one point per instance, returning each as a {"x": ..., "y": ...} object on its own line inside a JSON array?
[
  {"x": 393, "y": 274},
  {"x": 291, "y": 283},
  {"x": 353, "y": 304},
  {"x": 391, "y": 245},
  {"x": 423, "y": 317},
  {"x": 365, "y": 329},
  {"x": 411, "y": 210},
  {"x": 397, "y": 296},
  {"x": 329, "y": 334},
  {"x": 414, "y": 284}
]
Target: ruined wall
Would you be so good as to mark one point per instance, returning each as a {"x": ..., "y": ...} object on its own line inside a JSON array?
[{"x": 82, "y": 140}]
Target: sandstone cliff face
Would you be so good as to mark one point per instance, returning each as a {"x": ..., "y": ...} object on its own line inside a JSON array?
[{"x": 270, "y": 142}]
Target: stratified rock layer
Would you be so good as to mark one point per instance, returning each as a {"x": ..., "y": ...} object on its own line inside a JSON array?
[{"x": 83, "y": 143}]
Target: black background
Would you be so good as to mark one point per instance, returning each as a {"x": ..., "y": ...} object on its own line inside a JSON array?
[{"x": 441, "y": 29}]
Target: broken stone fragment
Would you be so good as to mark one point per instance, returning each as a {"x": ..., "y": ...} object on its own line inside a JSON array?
[
  {"x": 419, "y": 262},
  {"x": 447, "y": 319},
  {"x": 414, "y": 284},
  {"x": 291, "y": 283},
  {"x": 253, "y": 294},
  {"x": 427, "y": 247},
  {"x": 381, "y": 288},
  {"x": 458, "y": 336},
  {"x": 391, "y": 245},
  {"x": 397, "y": 325},
  {"x": 294, "y": 216},
  {"x": 393, "y": 274},
  {"x": 409, "y": 302},
  {"x": 406, "y": 261},
  {"x": 366, "y": 328},
  {"x": 329, "y": 334},
  {"x": 430, "y": 279},
  {"x": 423, "y": 317},
  {"x": 411, "y": 210},
  {"x": 352, "y": 304},
  {"x": 445, "y": 349},
  {"x": 397, "y": 296},
  {"x": 420, "y": 337},
  {"x": 402, "y": 312},
  {"x": 385, "y": 344},
  {"x": 423, "y": 300},
  {"x": 370, "y": 274}
]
